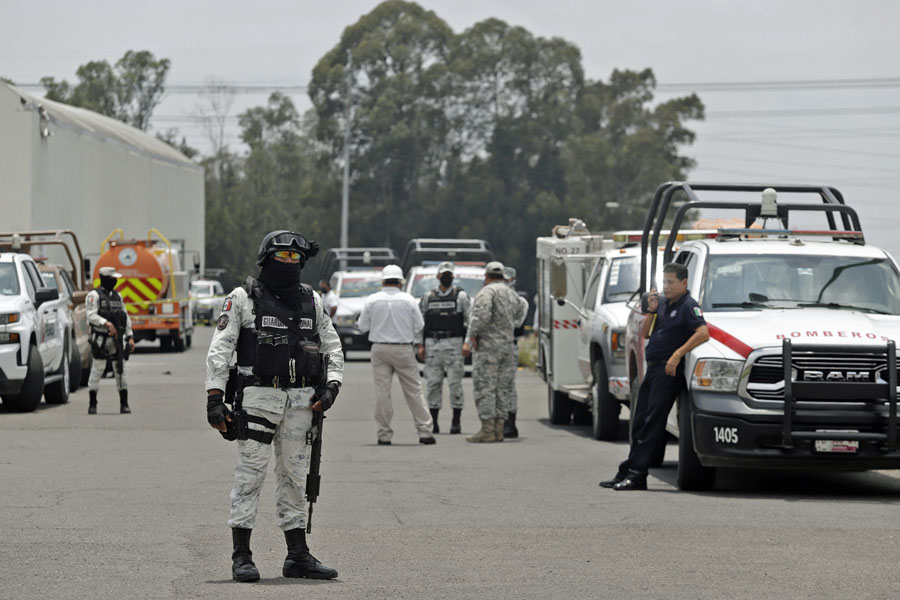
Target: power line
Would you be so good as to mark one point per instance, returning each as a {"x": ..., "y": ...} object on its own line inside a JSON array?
[
  {"x": 805, "y": 112},
  {"x": 782, "y": 85}
]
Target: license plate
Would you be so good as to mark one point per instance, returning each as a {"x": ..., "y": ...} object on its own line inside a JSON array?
[{"x": 837, "y": 446}]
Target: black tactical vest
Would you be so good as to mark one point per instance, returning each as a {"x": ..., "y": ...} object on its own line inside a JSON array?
[
  {"x": 441, "y": 316},
  {"x": 112, "y": 309},
  {"x": 274, "y": 350}
]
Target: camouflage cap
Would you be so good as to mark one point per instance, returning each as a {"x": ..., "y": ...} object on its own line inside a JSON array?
[
  {"x": 509, "y": 273},
  {"x": 445, "y": 267},
  {"x": 495, "y": 267}
]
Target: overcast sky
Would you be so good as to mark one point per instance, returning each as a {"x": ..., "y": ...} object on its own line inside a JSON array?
[{"x": 760, "y": 135}]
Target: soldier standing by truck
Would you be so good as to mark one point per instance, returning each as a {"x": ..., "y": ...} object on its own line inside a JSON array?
[
  {"x": 446, "y": 313},
  {"x": 111, "y": 335},
  {"x": 496, "y": 312}
]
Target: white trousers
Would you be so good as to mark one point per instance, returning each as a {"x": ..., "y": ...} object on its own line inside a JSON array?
[{"x": 388, "y": 359}]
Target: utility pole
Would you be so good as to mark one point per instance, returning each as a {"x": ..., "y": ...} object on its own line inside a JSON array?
[{"x": 345, "y": 195}]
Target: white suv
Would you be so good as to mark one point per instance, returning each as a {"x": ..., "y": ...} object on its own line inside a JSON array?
[{"x": 34, "y": 337}]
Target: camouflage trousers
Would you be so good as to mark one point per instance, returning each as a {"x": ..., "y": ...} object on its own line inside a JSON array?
[
  {"x": 492, "y": 377},
  {"x": 512, "y": 398},
  {"x": 98, "y": 365},
  {"x": 444, "y": 356},
  {"x": 291, "y": 458}
]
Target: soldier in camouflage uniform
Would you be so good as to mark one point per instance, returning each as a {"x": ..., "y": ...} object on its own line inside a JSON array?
[
  {"x": 279, "y": 407},
  {"x": 512, "y": 399},
  {"x": 446, "y": 314},
  {"x": 495, "y": 313}
]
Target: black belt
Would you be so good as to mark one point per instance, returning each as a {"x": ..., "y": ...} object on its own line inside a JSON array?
[
  {"x": 441, "y": 335},
  {"x": 656, "y": 363},
  {"x": 277, "y": 382}
]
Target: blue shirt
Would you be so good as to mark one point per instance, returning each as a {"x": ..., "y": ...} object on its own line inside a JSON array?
[{"x": 676, "y": 322}]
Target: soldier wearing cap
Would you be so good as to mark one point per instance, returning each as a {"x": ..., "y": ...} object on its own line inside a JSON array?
[
  {"x": 393, "y": 321},
  {"x": 445, "y": 310},
  {"x": 108, "y": 319},
  {"x": 512, "y": 398},
  {"x": 496, "y": 311}
]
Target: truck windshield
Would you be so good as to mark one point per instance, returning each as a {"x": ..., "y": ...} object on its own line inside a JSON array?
[
  {"x": 9, "y": 283},
  {"x": 49, "y": 280},
  {"x": 424, "y": 283},
  {"x": 623, "y": 279},
  {"x": 358, "y": 287},
  {"x": 756, "y": 282}
]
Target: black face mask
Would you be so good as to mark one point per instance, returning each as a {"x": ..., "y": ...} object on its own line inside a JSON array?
[
  {"x": 446, "y": 279},
  {"x": 108, "y": 283},
  {"x": 283, "y": 279}
]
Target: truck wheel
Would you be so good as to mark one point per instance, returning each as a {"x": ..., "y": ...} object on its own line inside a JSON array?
[
  {"x": 179, "y": 344},
  {"x": 58, "y": 391},
  {"x": 74, "y": 369},
  {"x": 692, "y": 476},
  {"x": 604, "y": 407},
  {"x": 165, "y": 344},
  {"x": 559, "y": 406},
  {"x": 29, "y": 396},
  {"x": 188, "y": 340}
]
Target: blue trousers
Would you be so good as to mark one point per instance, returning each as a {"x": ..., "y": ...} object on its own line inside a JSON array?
[{"x": 656, "y": 396}]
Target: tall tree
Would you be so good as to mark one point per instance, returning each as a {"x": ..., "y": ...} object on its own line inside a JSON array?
[{"x": 129, "y": 91}]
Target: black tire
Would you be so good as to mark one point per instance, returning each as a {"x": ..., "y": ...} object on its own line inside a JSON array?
[
  {"x": 604, "y": 407},
  {"x": 188, "y": 341},
  {"x": 165, "y": 344},
  {"x": 178, "y": 344},
  {"x": 29, "y": 396},
  {"x": 58, "y": 391},
  {"x": 692, "y": 476},
  {"x": 559, "y": 406},
  {"x": 86, "y": 371},
  {"x": 74, "y": 369}
]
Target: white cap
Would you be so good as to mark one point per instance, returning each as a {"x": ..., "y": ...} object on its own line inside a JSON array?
[
  {"x": 391, "y": 272},
  {"x": 445, "y": 267},
  {"x": 110, "y": 272}
]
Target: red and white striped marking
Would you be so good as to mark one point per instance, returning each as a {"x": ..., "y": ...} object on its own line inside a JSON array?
[{"x": 565, "y": 324}]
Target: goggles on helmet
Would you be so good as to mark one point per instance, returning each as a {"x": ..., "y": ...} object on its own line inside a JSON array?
[{"x": 289, "y": 239}]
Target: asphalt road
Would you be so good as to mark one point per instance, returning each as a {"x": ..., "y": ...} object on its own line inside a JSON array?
[{"x": 135, "y": 506}]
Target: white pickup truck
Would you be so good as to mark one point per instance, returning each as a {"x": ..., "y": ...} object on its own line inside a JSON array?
[
  {"x": 801, "y": 369},
  {"x": 34, "y": 337}
]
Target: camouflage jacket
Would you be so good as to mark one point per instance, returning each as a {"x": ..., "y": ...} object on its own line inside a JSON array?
[{"x": 496, "y": 311}]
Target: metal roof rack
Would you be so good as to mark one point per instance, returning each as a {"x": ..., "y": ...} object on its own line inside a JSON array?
[
  {"x": 337, "y": 259},
  {"x": 419, "y": 250},
  {"x": 832, "y": 202}
]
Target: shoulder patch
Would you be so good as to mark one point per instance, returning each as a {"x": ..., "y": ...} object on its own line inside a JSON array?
[
  {"x": 698, "y": 312},
  {"x": 223, "y": 322},
  {"x": 227, "y": 306}
]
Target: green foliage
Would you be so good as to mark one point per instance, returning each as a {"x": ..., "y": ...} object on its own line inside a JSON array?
[
  {"x": 128, "y": 91},
  {"x": 491, "y": 133}
]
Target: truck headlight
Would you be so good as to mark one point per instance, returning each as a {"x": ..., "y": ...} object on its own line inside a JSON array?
[
  {"x": 346, "y": 320},
  {"x": 717, "y": 375},
  {"x": 617, "y": 343},
  {"x": 9, "y": 338},
  {"x": 9, "y": 318}
]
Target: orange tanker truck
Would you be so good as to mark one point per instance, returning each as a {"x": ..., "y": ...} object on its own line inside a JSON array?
[{"x": 153, "y": 286}]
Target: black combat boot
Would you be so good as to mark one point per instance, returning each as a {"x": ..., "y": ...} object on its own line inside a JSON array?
[
  {"x": 92, "y": 406},
  {"x": 123, "y": 402},
  {"x": 509, "y": 427},
  {"x": 299, "y": 562},
  {"x": 242, "y": 567},
  {"x": 454, "y": 424},
  {"x": 434, "y": 417}
]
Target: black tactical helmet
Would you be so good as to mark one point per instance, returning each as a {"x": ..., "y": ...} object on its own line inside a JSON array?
[{"x": 286, "y": 240}]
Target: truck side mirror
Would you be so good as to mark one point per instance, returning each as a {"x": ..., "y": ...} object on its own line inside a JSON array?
[{"x": 558, "y": 284}]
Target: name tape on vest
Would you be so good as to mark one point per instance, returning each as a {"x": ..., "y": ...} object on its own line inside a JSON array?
[
  {"x": 446, "y": 305},
  {"x": 272, "y": 322}
]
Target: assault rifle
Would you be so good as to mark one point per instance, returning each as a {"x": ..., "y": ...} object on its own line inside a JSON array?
[{"x": 314, "y": 438}]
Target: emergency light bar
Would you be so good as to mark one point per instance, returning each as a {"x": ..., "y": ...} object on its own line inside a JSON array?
[
  {"x": 792, "y": 232},
  {"x": 635, "y": 236}
]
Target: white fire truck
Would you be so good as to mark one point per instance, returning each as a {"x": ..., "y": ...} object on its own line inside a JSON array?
[{"x": 801, "y": 367}]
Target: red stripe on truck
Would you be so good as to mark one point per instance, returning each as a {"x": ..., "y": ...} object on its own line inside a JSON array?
[{"x": 723, "y": 337}]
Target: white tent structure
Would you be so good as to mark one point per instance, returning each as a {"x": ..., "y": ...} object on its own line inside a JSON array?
[{"x": 63, "y": 167}]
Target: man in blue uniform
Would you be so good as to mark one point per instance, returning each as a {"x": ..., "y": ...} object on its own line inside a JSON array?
[{"x": 680, "y": 327}]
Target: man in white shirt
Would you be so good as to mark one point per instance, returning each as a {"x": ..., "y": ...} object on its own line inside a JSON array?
[
  {"x": 393, "y": 321},
  {"x": 329, "y": 300}
]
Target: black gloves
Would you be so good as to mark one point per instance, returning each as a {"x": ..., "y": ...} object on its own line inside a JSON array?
[
  {"x": 216, "y": 409},
  {"x": 327, "y": 394}
]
